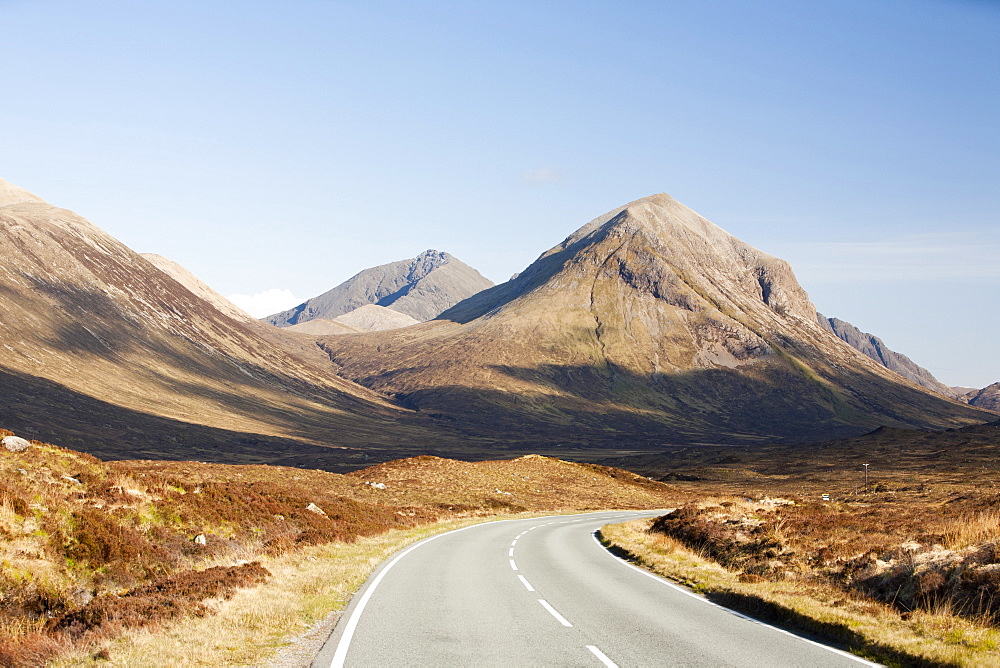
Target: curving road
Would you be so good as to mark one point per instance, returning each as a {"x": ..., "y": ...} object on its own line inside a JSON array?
[{"x": 544, "y": 592}]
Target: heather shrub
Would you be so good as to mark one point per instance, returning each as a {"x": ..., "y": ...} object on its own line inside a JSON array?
[
  {"x": 750, "y": 545},
  {"x": 112, "y": 548},
  {"x": 161, "y": 600}
]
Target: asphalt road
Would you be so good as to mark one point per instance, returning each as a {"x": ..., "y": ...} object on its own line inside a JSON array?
[{"x": 544, "y": 592}]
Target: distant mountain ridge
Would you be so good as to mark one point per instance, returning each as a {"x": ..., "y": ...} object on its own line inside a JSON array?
[
  {"x": 421, "y": 288},
  {"x": 988, "y": 397},
  {"x": 872, "y": 346},
  {"x": 649, "y": 322},
  {"x": 372, "y": 318},
  {"x": 875, "y": 348},
  {"x": 649, "y": 325}
]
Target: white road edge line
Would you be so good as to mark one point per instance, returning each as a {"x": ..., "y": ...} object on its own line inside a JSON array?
[
  {"x": 559, "y": 618},
  {"x": 602, "y": 657},
  {"x": 513, "y": 565},
  {"x": 695, "y": 596},
  {"x": 510, "y": 552},
  {"x": 345, "y": 640},
  {"x": 525, "y": 583}
]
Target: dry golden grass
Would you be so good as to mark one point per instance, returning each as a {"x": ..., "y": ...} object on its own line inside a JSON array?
[
  {"x": 306, "y": 586},
  {"x": 868, "y": 628},
  {"x": 531, "y": 482},
  {"x": 446, "y": 485},
  {"x": 973, "y": 528}
]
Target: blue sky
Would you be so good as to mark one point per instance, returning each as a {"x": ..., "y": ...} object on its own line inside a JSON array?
[{"x": 288, "y": 145}]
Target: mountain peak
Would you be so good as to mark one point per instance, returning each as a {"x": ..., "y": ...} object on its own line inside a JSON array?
[
  {"x": 427, "y": 262},
  {"x": 435, "y": 256},
  {"x": 658, "y": 213},
  {"x": 651, "y": 316},
  {"x": 420, "y": 287},
  {"x": 659, "y": 246}
]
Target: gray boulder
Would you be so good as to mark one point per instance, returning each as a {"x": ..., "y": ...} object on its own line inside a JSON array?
[
  {"x": 16, "y": 443},
  {"x": 313, "y": 508}
]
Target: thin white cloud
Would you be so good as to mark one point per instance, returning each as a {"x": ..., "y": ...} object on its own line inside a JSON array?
[
  {"x": 266, "y": 303},
  {"x": 542, "y": 175},
  {"x": 936, "y": 257}
]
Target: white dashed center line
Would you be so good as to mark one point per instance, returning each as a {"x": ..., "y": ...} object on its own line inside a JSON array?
[
  {"x": 559, "y": 618},
  {"x": 603, "y": 658}
]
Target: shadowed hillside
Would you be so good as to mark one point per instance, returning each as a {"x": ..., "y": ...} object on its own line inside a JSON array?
[
  {"x": 648, "y": 325},
  {"x": 90, "y": 325}
]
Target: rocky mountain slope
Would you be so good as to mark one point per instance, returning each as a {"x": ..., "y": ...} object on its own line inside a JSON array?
[
  {"x": 648, "y": 325},
  {"x": 100, "y": 346},
  {"x": 198, "y": 287},
  {"x": 988, "y": 397},
  {"x": 875, "y": 348},
  {"x": 421, "y": 288}
]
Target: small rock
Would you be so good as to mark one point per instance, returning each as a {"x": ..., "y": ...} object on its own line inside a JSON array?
[
  {"x": 72, "y": 479},
  {"x": 200, "y": 539},
  {"x": 82, "y": 596},
  {"x": 316, "y": 509},
  {"x": 15, "y": 443},
  {"x": 377, "y": 485}
]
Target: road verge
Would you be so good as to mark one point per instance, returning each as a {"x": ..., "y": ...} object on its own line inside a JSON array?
[
  {"x": 270, "y": 624},
  {"x": 868, "y": 629}
]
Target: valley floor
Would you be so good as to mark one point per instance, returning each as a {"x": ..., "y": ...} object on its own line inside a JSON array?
[{"x": 157, "y": 563}]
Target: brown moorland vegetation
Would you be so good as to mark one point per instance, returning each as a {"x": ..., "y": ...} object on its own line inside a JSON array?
[
  {"x": 90, "y": 549},
  {"x": 915, "y": 547},
  {"x": 929, "y": 559}
]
